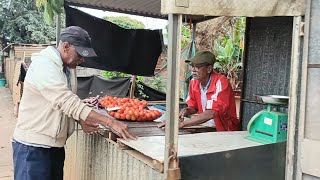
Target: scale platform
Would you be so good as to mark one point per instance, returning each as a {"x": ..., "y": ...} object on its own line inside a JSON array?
[{"x": 270, "y": 125}]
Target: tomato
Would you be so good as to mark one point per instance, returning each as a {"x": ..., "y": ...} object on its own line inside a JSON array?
[
  {"x": 130, "y": 112},
  {"x": 133, "y": 118},
  {"x": 128, "y": 117},
  {"x": 144, "y": 103},
  {"x": 149, "y": 116},
  {"x": 122, "y": 116},
  {"x": 112, "y": 114},
  {"x": 117, "y": 115}
]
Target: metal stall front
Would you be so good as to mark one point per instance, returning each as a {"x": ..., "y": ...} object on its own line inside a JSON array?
[{"x": 170, "y": 156}]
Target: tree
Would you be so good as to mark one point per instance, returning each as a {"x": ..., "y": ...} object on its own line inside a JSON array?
[
  {"x": 22, "y": 22},
  {"x": 50, "y": 7},
  {"x": 125, "y": 22}
]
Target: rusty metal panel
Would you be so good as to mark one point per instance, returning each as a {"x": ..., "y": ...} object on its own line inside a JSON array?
[
  {"x": 312, "y": 121},
  {"x": 267, "y": 61},
  {"x": 96, "y": 158},
  {"x": 314, "y": 49}
]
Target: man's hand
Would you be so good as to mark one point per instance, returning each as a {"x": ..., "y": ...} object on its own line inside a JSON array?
[
  {"x": 89, "y": 127},
  {"x": 183, "y": 113},
  {"x": 163, "y": 124},
  {"x": 115, "y": 126},
  {"x": 121, "y": 130}
]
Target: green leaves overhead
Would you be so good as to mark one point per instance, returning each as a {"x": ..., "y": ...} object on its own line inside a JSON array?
[
  {"x": 125, "y": 22},
  {"x": 50, "y": 7},
  {"x": 22, "y": 22}
]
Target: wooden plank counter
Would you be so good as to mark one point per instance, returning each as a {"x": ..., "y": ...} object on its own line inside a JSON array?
[
  {"x": 150, "y": 128},
  {"x": 192, "y": 144}
]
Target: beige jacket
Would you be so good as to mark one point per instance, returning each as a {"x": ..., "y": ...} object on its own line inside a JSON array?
[{"x": 48, "y": 108}]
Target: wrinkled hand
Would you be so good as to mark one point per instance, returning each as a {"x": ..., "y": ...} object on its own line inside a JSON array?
[
  {"x": 163, "y": 124},
  {"x": 183, "y": 113},
  {"x": 89, "y": 127},
  {"x": 121, "y": 130}
]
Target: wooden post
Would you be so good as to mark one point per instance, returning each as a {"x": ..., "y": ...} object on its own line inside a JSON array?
[
  {"x": 133, "y": 86},
  {"x": 58, "y": 29},
  {"x": 293, "y": 115},
  {"x": 171, "y": 165}
]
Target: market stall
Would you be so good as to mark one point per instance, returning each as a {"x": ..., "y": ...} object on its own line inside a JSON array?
[{"x": 175, "y": 155}]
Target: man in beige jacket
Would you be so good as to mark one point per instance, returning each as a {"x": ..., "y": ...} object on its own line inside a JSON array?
[{"x": 49, "y": 109}]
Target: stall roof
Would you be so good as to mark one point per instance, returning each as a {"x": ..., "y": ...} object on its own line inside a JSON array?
[{"x": 148, "y": 8}]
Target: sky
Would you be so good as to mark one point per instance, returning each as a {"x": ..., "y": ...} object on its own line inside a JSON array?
[{"x": 150, "y": 23}]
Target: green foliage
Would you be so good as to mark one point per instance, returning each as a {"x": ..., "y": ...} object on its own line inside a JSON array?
[
  {"x": 22, "y": 22},
  {"x": 185, "y": 36},
  {"x": 50, "y": 8},
  {"x": 228, "y": 51},
  {"x": 125, "y": 22},
  {"x": 157, "y": 82},
  {"x": 113, "y": 74}
]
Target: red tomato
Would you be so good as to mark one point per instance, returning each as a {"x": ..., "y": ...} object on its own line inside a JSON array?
[
  {"x": 133, "y": 118},
  {"x": 122, "y": 116},
  {"x": 117, "y": 115},
  {"x": 144, "y": 103},
  {"x": 149, "y": 116},
  {"x": 143, "y": 117},
  {"x": 112, "y": 114}
]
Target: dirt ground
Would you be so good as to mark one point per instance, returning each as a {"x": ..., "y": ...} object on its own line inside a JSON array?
[{"x": 7, "y": 125}]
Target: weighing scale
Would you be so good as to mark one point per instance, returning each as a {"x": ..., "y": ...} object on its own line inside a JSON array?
[{"x": 270, "y": 125}]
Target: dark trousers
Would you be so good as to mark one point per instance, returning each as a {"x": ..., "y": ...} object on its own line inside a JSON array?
[{"x": 36, "y": 163}]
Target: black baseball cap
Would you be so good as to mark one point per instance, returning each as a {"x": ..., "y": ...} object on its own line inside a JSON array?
[
  {"x": 202, "y": 57},
  {"x": 80, "y": 39}
]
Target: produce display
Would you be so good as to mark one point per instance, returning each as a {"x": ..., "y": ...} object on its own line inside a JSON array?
[{"x": 130, "y": 109}]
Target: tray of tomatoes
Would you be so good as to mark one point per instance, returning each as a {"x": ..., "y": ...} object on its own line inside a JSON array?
[{"x": 129, "y": 109}]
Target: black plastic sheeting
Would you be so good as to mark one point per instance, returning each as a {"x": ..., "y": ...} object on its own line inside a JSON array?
[
  {"x": 97, "y": 85},
  {"x": 117, "y": 87},
  {"x": 267, "y": 62},
  {"x": 152, "y": 94},
  {"x": 132, "y": 51}
]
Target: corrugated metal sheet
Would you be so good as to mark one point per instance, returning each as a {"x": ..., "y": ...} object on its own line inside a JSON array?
[
  {"x": 149, "y": 8},
  {"x": 267, "y": 61},
  {"x": 95, "y": 158}
]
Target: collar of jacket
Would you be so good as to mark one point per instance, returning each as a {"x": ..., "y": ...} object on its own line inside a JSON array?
[{"x": 51, "y": 53}]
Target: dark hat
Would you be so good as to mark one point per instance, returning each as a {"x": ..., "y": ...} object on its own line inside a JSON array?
[
  {"x": 80, "y": 39},
  {"x": 202, "y": 57}
]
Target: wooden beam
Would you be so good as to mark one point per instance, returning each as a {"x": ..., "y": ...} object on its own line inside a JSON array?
[
  {"x": 154, "y": 164},
  {"x": 133, "y": 85},
  {"x": 171, "y": 165},
  {"x": 250, "y": 8},
  {"x": 293, "y": 112},
  {"x": 298, "y": 174}
]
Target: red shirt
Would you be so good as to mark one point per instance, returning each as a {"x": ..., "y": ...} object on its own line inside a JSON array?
[{"x": 220, "y": 99}]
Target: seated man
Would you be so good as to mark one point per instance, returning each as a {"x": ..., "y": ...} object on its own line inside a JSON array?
[{"x": 210, "y": 95}]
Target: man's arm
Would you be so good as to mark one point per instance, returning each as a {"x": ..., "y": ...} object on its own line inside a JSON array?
[
  {"x": 183, "y": 113},
  {"x": 117, "y": 127},
  {"x": 52, "y": 86},
  {"x": 199, "y": 119},
  {"x": 187, "y": 112}
]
